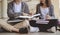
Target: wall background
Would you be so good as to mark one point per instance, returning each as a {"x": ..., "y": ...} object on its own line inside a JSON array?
[
  {"x": 32, "y": 6},
  {"x": 0, "y": 9}
]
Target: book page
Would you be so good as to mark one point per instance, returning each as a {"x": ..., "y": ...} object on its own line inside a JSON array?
[{"x": 29, "y": 16}]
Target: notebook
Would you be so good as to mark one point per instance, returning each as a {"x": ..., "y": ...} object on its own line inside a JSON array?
[
  {"x": 14, "y": 20},
  {"x": 40, "y": 21}
]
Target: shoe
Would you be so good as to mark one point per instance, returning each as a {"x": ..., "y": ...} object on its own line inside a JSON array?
[
  {"x": 52, "y": 30},
  {"x": 23, "y": 30},
  {"x": 58, "y": 28},
  {"x": 3, "y": 30}
]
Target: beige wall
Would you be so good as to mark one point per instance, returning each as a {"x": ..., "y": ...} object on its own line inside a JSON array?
[
  {"x": 56, "y": 7},
  {"x": 32, "y": 6},
  {"x": 0, "y": 10}
]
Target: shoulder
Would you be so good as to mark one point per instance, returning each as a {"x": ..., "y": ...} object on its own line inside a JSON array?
[
  {"x": 10, "y": 3},
  {"x": 24, "y": 3},
  {"x": 38, "y": 4},
  {"x": 51, "y": 6}
]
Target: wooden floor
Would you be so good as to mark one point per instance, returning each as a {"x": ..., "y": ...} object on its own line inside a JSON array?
[{"x": 41, "y": 33}]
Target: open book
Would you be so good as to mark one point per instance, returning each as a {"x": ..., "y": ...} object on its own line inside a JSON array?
[{"x": 29, "y": 16}]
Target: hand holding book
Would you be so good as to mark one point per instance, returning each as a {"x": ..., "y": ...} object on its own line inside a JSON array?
[{"x": 29, "y": 16}]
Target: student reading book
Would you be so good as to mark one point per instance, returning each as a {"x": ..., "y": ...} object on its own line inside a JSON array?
[
  {"x": 46, "y": 10},
  {"x": 14, "y": 9}
]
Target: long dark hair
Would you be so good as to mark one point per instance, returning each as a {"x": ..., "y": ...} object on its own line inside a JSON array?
[
  {"x": 14, "y": 0},
  {"x": 47, "y": 2}
]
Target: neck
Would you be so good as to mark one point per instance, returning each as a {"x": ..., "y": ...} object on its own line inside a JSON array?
[{"x": 44, "y": 5}]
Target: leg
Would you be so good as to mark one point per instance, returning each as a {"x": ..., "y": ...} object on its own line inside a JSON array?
[
  {"x": 23, "y": 24},
  {"x": 33, "y": 23},
  {"x": 40, "y": 26},
  {"x": 52, "y": 25},
  {"x": 8, "y": 27}
]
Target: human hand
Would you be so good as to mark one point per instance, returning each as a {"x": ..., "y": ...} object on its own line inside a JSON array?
[
  {"x": 48, "y": 17},
  {"x": 25, "y": 14},
  {"x": 31, "y": 14}
]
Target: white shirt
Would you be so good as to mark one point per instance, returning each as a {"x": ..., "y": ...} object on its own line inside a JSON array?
[
  {"x": 17, "y": 7},
  {"x": 44, "y": 11}
]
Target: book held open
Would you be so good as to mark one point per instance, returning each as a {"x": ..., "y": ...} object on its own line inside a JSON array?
[
  {"x": 17, "y": 20},
  {"x": 29, "y": 16}
]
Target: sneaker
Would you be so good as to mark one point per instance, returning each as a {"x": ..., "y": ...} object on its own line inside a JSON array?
[
  {"x": 52, "y": 30},
  {"x": 34, "y": 29},
  {"x": 23, "y": 30}
]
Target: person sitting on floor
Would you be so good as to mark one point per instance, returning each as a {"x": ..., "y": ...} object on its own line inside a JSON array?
[
  {"x": 46, "y": 11},
  {"x": 15, "y": 9}
]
